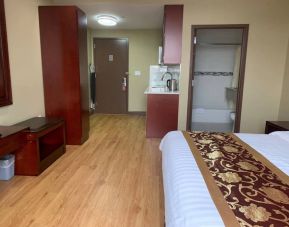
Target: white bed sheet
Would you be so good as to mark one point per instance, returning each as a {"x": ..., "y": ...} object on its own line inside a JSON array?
[{"x": 187, "y": 200}]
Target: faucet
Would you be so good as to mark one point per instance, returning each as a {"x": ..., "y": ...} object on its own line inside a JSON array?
[{"x": 163, "y": 76}]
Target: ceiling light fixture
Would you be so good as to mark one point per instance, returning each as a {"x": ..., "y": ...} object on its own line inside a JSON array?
[{"x": 107, "y": 20}]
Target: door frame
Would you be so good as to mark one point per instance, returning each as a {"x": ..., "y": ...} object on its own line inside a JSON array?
[
  {"x": 127, "y": 54},
  {"x": 239, "y": 101}
]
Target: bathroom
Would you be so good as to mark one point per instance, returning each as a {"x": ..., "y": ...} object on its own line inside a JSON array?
[{"x": 215, "y": 80}]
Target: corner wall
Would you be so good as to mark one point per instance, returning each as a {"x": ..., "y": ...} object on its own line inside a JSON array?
[{"x": 25, "y": 61}]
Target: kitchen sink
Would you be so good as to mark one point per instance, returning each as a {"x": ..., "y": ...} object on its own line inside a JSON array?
[{"x": 158, "y": 89}]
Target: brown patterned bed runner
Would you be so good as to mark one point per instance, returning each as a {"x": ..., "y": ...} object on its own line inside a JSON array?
[{"x": 247, "y": 189}]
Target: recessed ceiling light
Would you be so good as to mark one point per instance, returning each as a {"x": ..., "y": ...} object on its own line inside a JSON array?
[{"x": 107, "y": 20}]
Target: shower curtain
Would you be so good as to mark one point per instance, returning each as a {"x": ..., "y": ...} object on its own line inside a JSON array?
[{"x": 236, "y": 68}]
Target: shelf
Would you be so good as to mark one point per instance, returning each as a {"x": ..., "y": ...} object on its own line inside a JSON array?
[
  {"x": 49, "y": 159},
  {"x": 219, "y": 44},
  {"x": 235, "y": 89},
  {"x": 47, "y": 149}
]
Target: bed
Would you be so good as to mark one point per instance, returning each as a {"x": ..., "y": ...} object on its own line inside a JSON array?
[{"x": 188, "y": 202}]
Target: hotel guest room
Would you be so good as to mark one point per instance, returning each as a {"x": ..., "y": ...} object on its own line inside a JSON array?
[{"x": 144, "y": 113}]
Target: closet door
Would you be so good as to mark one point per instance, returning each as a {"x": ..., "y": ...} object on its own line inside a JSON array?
[
  {"x": 83, "y": 69},
  {"x": 64, "y": 60}
]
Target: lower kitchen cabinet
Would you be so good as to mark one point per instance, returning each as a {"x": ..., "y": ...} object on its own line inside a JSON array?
[{"x": 162, "y": 114}]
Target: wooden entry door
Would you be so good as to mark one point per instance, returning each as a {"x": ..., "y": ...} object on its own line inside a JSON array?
[{"x": 111, "y": 72}]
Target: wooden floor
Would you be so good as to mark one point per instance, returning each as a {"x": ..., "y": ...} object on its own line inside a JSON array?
[{"x": 114, "y": 179}]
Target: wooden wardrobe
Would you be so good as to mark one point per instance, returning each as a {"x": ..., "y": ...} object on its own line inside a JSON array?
[{"x": 63, "y": 35}]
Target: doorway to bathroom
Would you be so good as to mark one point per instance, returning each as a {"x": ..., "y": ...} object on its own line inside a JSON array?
[{"x": 218, "y": 57}]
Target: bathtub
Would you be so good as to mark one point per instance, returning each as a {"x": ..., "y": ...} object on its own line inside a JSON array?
[{"x": 211, "y": 120}]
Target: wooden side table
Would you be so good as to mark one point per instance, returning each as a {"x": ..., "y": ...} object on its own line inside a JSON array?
[
  {"x": 272, "y": 126},
  {"x": 45, "y": 142}
]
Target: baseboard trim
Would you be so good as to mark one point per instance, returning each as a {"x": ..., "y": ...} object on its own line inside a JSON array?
[{"x": 142, "y": 113}]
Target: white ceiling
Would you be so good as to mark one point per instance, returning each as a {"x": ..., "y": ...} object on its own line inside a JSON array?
[{"x": 131, "y": 15}]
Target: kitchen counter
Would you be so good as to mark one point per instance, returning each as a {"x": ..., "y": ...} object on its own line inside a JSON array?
[
  {"x": 162, "y": 112},
  {"x": 160, "y": 91}
]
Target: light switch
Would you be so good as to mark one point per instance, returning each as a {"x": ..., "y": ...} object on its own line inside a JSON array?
[{"x": 137, "y": 73}]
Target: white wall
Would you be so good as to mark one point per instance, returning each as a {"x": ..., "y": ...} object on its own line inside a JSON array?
[
  {"x": 210, "y": 91},
  {"x": 25, "y": 61},
  {"x": 215, "y": 58},
  {"x": 284, "y": 104}
]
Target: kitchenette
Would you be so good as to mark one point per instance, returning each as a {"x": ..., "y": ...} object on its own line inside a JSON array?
[
  {"x": 163, "y": 90},
  {"x": 162, "y": 101}
]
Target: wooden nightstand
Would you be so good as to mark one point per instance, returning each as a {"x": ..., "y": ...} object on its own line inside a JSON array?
[{"x": 272, "y": 126}]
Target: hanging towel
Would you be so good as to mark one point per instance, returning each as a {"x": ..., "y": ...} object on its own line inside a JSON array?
[
  {"x": 92, "y": 83},
  {"x": 236, "y": 68}
]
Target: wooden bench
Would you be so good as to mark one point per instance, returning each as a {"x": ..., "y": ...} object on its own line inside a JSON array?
[{"x": 45, "y": 143}]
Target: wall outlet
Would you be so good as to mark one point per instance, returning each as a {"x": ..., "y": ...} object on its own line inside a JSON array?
[{"x": 137, "y": 73}]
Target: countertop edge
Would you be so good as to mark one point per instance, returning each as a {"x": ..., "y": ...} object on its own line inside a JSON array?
[{"x": 149, "y": 92}]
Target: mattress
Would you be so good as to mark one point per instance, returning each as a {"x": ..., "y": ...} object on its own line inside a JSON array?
[{"x": 187, "y": 199}]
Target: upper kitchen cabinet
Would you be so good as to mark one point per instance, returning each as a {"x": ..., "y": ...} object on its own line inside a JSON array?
[
  {"x": 63, "y": 31},
  {"x": 172, "y": 34}
]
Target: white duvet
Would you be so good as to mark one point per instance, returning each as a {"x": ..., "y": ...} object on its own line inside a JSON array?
[{"x": 187, "y": 200}]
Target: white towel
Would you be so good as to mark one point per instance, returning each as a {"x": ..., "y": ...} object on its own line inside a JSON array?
[{"x": 236, "y": 67}]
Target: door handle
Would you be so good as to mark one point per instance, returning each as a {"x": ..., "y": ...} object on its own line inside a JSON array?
[{"x": 124, "y": 83}]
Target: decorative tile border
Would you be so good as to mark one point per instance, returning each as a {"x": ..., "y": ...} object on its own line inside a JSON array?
[{"x": 198, "y": 73}]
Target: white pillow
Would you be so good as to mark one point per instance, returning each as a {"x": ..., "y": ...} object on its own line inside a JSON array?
[{"x": 281, "y": 134}]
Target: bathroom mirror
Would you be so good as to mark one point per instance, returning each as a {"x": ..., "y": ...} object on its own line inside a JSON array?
[{"x": 5, "y": 84}]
